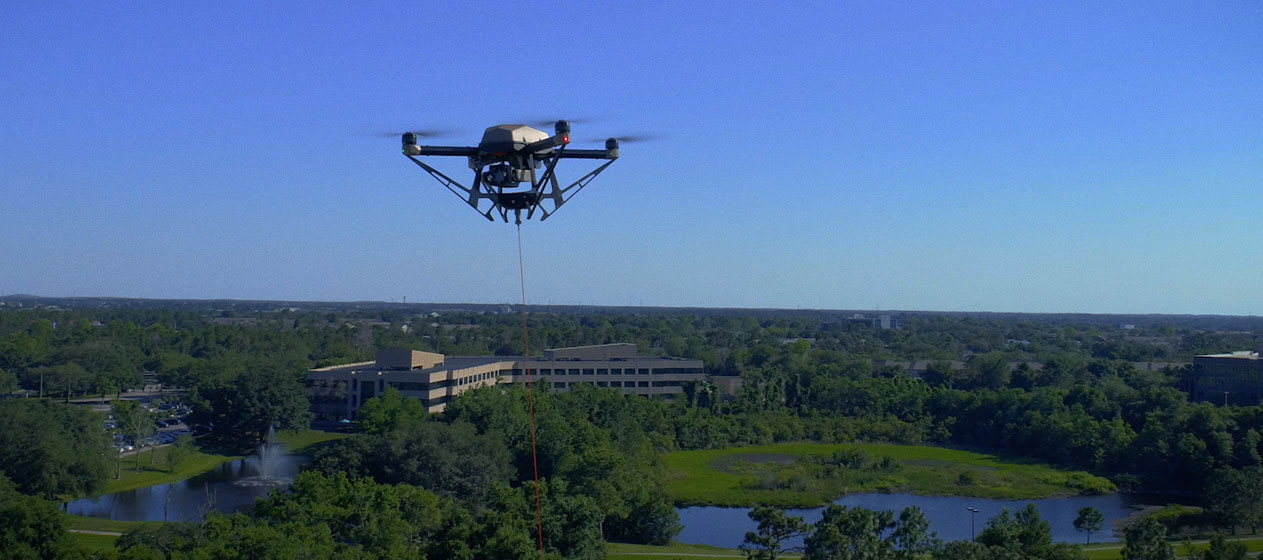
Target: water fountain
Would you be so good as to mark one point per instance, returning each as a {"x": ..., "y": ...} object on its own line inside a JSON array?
[{"x": 271, "y": 454}]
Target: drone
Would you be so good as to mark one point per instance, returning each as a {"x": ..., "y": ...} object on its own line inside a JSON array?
[{"x": 506, "y": 166}]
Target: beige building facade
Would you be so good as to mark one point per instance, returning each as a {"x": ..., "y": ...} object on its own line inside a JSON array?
[{"x": 435, "y": 379}]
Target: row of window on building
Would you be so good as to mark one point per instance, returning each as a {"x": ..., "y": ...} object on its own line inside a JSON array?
[{"x": 619, "y": 384}]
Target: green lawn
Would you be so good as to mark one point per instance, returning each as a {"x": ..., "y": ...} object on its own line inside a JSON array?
[
  {"x": 621, "y": 551},
  {"x": 94, "y": 542},
  {"x": 800, "y": 475},
  {"x": 1114, "y": 551},
  {"x": 99, "y": 542},
  {"x": 299, "y": 442},
  {"x": 98, "y": 524},
  {"x": 156, "y": 472}
]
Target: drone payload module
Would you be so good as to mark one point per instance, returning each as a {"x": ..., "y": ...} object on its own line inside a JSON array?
[{"x": 507, "y": 166}]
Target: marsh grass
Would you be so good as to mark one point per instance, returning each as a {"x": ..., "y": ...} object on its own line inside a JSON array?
[{"x": 812, "y": 474}]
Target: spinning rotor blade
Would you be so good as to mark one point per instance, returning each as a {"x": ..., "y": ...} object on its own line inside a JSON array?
[
  {"x": 550, "y": 122},
  {"x": 420, "y": 132},
  {"x": 629, "y": 139}
]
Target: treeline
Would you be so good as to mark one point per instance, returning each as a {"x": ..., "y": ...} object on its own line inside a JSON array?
[
  {"x": 105, "y": 350},
  {"x": 595, "y": 449}
]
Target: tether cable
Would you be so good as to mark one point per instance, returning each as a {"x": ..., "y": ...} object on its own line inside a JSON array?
[{"x": 530, "y": 393}]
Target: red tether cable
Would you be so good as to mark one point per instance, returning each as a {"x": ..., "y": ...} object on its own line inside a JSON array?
[{"x": 530, "y": 393}]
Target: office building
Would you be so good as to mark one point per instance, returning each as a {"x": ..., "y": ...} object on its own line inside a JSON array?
[
  {"x": 1234, "y": 377},
  {"x": 435, "y": 379}
]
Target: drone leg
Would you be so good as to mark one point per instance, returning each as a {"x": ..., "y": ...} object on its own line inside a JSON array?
[{"x": 517, "y": 216}]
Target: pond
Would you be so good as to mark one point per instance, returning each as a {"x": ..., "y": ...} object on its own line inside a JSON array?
[
  {"x": 948, "y": 516},
  {"x": 230, "y": 487}
]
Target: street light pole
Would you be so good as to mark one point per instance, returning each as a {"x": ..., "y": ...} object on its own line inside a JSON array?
[{"x": 972, "y": 511}]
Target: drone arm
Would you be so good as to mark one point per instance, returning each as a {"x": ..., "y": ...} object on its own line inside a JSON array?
[
  {"x": 415, "y": 150},
  {"x": 587, "y": 154}
]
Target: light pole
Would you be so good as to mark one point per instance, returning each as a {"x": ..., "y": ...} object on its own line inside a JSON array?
[{"x": 972, "y": 512}]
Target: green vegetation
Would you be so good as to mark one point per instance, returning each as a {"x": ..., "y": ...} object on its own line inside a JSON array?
[
  {"x": 304, "y": 441},
  {"x": 810, "y": 474},
  {"x": 154, "y": 469},
  {"x": 673, "y": 551},
  {"x": 1114, "y": 551},
  {"x": 92, "y": 542},
  {"x": 85, "y": 523},
  {"x": 52, "y": 450}
]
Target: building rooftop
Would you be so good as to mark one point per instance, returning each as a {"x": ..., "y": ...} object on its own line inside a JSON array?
[{"x": 1241, "y": 355}]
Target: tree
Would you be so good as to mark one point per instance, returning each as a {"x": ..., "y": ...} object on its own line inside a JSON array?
[
  {"x": 1089, "y": 520},
  {"x": 136, "y": 421},
  {"x": 8, "y": 382},
  {"x": 50, "y": 450},
  {"x": 1222, "y": 549},
  {"x": 1025, "y": 532},
  {"x": 30, "y": 527},
  {"x": 1147, "y": 540},
  {"x": 181, "y": 450},
  {"x": 861, "y": 534},
  {"x": 774, "y": 528},
  {"x": 390, "y": 412},
  {"x": 243, "y": 406}
]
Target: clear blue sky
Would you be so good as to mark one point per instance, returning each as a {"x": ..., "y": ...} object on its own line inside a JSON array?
[{"x": 1007, "y": 156}]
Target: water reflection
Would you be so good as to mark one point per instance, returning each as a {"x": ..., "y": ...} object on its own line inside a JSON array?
[
  {"x": 948, "y": 516},
  {"x": 191, "y": 499}
]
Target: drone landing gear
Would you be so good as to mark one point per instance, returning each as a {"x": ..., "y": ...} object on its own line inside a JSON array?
[{"x": 545, "y": 189}]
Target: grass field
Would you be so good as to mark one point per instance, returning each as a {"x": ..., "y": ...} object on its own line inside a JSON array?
[
  {"x": 621, "y": 551},
  {"x": 156, "y": 472},
  {"x": 301, "y": 442},
  {"x": 1114, "y": 551},
  {"x": 94, "y": 542},
  {"x": 810, "y": 474},
  {"x": 99, "y": 542}
]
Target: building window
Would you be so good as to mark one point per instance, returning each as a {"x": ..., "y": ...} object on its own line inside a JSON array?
[
  {"x": 588, "y": 371},
  {"x": 601, "y": 384},
  {"x": 644, "y": 371},
  {"x": 616, "y": 384},
  {"x": 616, "y": 371},
  {"x": 574, "y": 372},
  {"x": 643, "y": 384},
  {"x": 602, "y": 371},
  {"x": 559, "y": 385}
]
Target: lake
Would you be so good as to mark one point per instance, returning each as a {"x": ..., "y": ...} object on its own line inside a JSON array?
[
  {"x": 948, "y": 516},
  {"x": 230, "y": 487}
]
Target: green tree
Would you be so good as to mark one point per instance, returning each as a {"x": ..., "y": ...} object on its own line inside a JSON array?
[
  {"x": 136, "y": 421},
  {"x": 1222, "y": 549},
  {"x": 1089, "y": 520},
  {"x": 50, "y": 449},
  {"x": 1025, "y": 531},
  {"x": 30, "y": 527},
  {"x": 180, "y": 451},
  {"x": 243, "y": 406},
  {"x": 1147, "y": 540},
  {"x": 774, "y": 528},
  {"x": 8, "y": 382},
  {"x": 389, "y": 412},
  {"x": 861, "y": 534}
]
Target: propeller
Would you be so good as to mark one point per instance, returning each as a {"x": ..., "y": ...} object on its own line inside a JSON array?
[
  {"x": 629, "y": 139},
  {"x": 421, "y": 133},
  {"x": 550, "y": 122}
]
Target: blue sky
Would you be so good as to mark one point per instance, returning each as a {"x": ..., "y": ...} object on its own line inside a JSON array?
[{"x": 1006, "y": 156}]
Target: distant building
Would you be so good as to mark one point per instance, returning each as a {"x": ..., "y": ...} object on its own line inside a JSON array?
[
  {"x": 1235, "y": 377},
  {"x": 878, "y": 322},
  {"x": 435, "y": 379}
]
